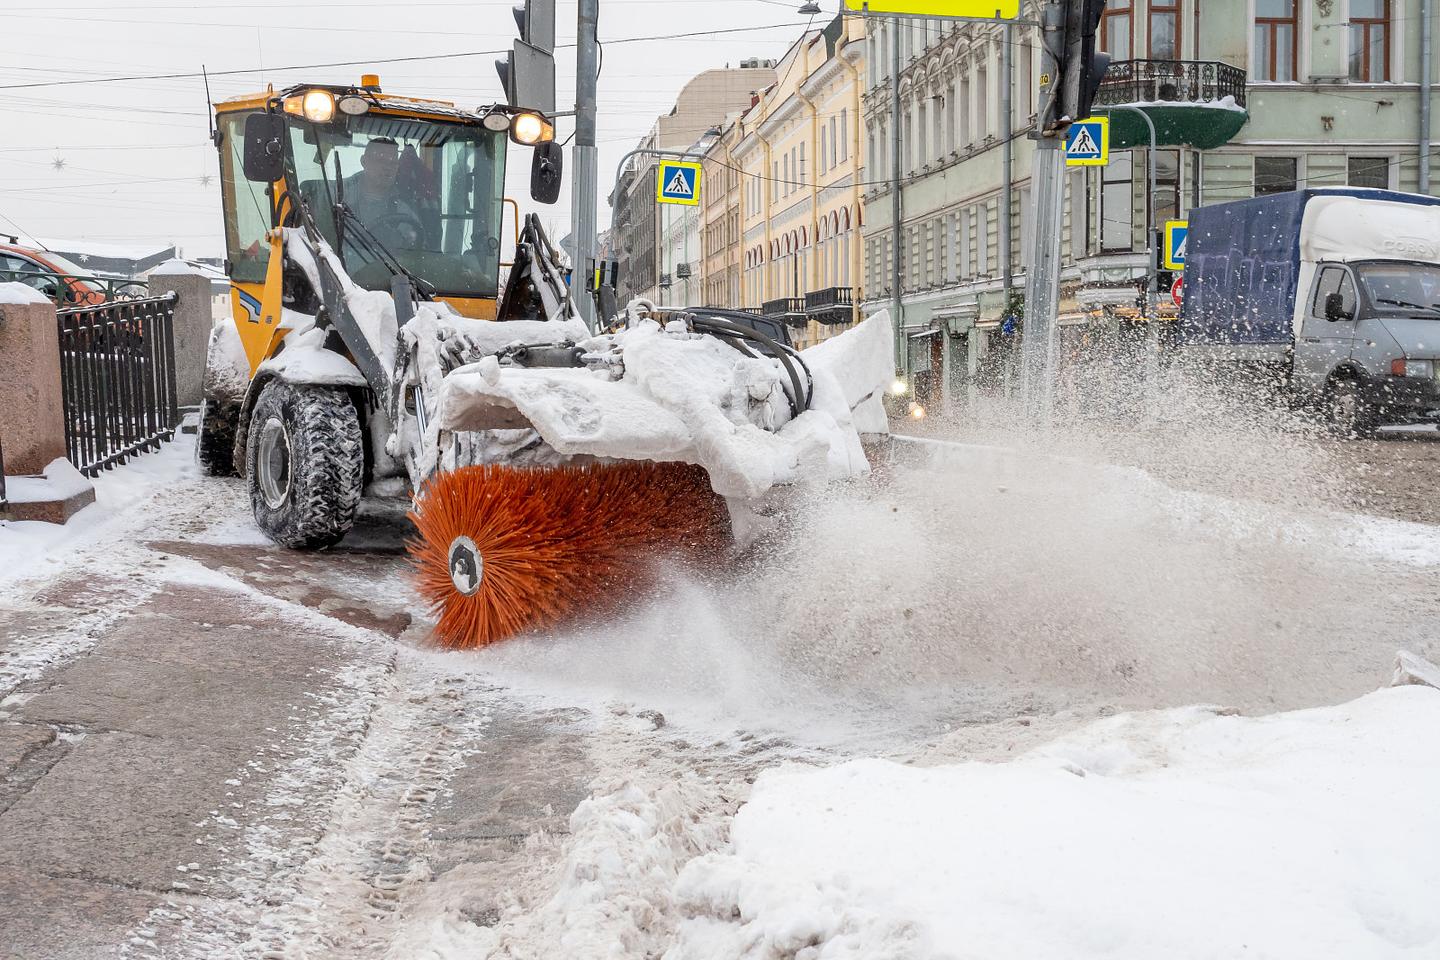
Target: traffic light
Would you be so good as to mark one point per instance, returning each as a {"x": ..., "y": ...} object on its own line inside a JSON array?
[
  {"x": 527, "y": 74},
  {"x": 1084, "y": 68}
]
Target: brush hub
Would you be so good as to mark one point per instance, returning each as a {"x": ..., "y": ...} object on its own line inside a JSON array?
[{"x": 467, "y": 566}]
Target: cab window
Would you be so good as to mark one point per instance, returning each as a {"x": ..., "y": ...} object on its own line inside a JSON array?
[
  {"x": 247, "y": 207},
  {"x": 1333, "y": 280}
]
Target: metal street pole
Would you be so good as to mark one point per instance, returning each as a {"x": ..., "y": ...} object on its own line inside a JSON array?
[
  {"x": 897, "y": 308},
  {"x": 1007, "y": 158},
  {"x": 584, "y": 188},
  {"x": 1042, "y": 278}
]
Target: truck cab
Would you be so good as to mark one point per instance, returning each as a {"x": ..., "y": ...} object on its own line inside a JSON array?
[{"x": 1335, "y": 290}]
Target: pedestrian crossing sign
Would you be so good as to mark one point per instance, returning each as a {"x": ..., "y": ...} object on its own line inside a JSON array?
[
  {"x": 1087, "y": 143},
  {"x": 1177, "y": 234},
  {"x": 678, "y": 182}
]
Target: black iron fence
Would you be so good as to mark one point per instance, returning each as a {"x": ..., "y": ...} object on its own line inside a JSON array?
[
  {"x": 789, "y": 309},
  {"x": 1170, "y": 81},
  {"x": 117, "y": 373}
]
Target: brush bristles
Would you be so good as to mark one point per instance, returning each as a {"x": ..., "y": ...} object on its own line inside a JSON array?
[{"x": 556, "y": 543}]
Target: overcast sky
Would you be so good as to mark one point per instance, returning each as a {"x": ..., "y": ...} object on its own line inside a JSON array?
[{"x": 118, "y": 161}]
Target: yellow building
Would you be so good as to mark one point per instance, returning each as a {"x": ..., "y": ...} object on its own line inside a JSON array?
[{"x": 801, "y": 179}]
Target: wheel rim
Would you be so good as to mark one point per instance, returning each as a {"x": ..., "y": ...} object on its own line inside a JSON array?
[
  {"x": 467, "y": 566},
  {"x": 273, "y": 463}
]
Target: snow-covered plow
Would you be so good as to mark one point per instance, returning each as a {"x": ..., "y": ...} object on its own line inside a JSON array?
[{"x": 374, "y": 349}]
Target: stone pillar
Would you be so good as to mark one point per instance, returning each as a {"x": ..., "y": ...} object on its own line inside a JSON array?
[
  {"x": 193, "y": 320},
  {"x": 32, "y": 417}
]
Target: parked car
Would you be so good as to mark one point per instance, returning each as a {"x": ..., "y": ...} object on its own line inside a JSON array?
[
  {"x": 1335, "y": 291},
  {"x": 63, "y": 281}
]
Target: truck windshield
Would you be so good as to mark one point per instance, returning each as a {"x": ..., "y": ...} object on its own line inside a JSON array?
[
  {"x": 429, "y": 191},
  {"x": 1408, "y": 288}
]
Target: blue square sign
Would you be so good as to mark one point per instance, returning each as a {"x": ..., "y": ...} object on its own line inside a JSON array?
[
  {"x": 1087, "y": 143},
  {"x": 678, "y": 182},
  {"x": 1177, "y": 233}
]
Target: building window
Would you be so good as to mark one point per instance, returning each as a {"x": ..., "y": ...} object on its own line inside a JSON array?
[
  {"x": 844, "y": 137},
  {"x": 1167, "y": 186},
  {"x": 1277, "y": 35},
  {"x": 1165, "y": 30},
  {"x": 1117, "y": 203},
  {"x": 1276, "y": 174},
  {"x": 964, "y": 111},
  {"x": 1370, "y": 172},
  {"x": 921, "y": 156},
  {"x": 824, "y": 155},
  {"x": 982, "y": 105},
  {"x": 1370, "y": 41},
  {"x": 1117, "y": 30}
]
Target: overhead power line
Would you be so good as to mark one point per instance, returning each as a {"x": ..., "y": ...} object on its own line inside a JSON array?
[{"x": 192, "y": 75}]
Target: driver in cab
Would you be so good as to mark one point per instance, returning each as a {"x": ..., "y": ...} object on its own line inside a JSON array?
[{"x": 372, "y": 195}]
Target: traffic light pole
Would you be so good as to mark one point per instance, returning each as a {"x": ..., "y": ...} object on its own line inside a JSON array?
[
  {"x": 1042, "y": 278},
  {"x": 583, "y": 198}
]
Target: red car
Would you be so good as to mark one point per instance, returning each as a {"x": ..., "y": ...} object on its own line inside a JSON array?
[{"x": 51, "y": 274}]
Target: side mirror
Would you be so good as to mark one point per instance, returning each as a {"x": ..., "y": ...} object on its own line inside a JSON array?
[
  {"x": 1335, "y": 308},
  {"x": 264, "y": 157},
  {"x": 547, "y": 170}
]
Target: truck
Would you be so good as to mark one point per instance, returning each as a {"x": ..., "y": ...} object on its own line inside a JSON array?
[{"x": 1332, "y": 292}]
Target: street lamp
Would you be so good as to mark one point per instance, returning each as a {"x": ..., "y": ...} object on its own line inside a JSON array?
[{"x": 811, "y": 9}]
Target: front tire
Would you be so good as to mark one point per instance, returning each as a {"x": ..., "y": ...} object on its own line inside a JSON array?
[
  {"x": 305, "y": 464},
  {"x": 1349, "y": 411}
]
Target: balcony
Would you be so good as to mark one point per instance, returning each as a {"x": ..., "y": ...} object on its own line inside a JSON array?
[
  {"x": 1194, "y": 103},
  {"x": 832, "y": 305},
  {"x": 789, "y": 309}
]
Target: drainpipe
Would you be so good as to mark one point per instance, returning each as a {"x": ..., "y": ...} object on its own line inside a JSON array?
[
  {"x": 855, "y": 267},
  {"x": 814, "y": 184},
  {"x": 1007, "y": 159},
  {"x": 1425, "y": 71},
  {"x": 902, "y": 356}
]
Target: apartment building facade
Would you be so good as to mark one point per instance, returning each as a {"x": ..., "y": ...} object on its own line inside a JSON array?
[
  {"x": 800, "y": 179},
  {"x": 1247, "y": 96},
  {"x": 704, "y": 102}
]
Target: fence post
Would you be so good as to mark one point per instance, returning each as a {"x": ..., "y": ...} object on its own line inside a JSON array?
[
  {"x": 32, "y": 419},
  {"x": 193, "y": 320}
]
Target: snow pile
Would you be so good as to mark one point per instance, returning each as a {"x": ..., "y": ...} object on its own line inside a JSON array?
[
  {"x": 1181, "y": 833},
  {"x": 689, "y": 398},
  {"x": 60, "y": 481},
  {"x": 17, "y": 293}
]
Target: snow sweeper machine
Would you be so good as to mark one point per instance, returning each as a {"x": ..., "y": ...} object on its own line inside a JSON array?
[{"x": 374, "y": 349}]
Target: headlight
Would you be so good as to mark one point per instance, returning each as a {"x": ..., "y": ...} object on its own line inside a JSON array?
[
  {"x": 898, "y": 388},
  {"x": 917, "y": 411},
  {"x": 318, "y": 106},
  {"x": 530, "y": 128},
  {"x": 1420, "y": 369}
]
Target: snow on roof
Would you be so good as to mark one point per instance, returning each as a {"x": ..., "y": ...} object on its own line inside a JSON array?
[
  {"x": 109, "y": 251},
  {"x": 20, "y": 293}
]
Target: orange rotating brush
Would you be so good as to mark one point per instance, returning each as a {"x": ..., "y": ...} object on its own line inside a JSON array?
[{"x": 504, "y": 549}]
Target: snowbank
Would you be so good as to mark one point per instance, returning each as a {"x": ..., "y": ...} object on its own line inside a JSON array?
[
  {"x": 1182, "y": 833},
  {"x": 60, "y": 481},
  {"x": 18, "y": 293}
]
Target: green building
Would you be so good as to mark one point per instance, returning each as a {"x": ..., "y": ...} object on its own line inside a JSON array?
[{"x": 1247, "y": 97}]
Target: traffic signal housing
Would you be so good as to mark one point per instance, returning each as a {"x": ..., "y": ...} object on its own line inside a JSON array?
[
  {"x": 527, "y": 74},
  {"x": 1084, "y": 68}
]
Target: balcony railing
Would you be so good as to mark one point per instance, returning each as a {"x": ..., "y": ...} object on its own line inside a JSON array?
[
  {"x": 783, "y": 307},
  {"x": 828, "y": 298},
  {"x": 1170, "y": 81}
]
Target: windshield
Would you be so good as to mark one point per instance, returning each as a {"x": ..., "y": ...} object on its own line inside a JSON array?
[
  {"x": 429, "y": 192},
  {"x": 1402, "y": 287}
]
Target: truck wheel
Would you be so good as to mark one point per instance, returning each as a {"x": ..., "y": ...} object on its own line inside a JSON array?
[
  {"x": 215, "y": 446},
  {"x": 305, "y": 461},
  {"x": 1349, "y": 412}
]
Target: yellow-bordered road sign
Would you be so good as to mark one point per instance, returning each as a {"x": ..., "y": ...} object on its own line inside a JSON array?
[
  {"x": 1087, "y": 143},
  {"x": 678, "y": 181},
  {"x": 978, "y": 9},
  {"x": 1177, "y": 232}
]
